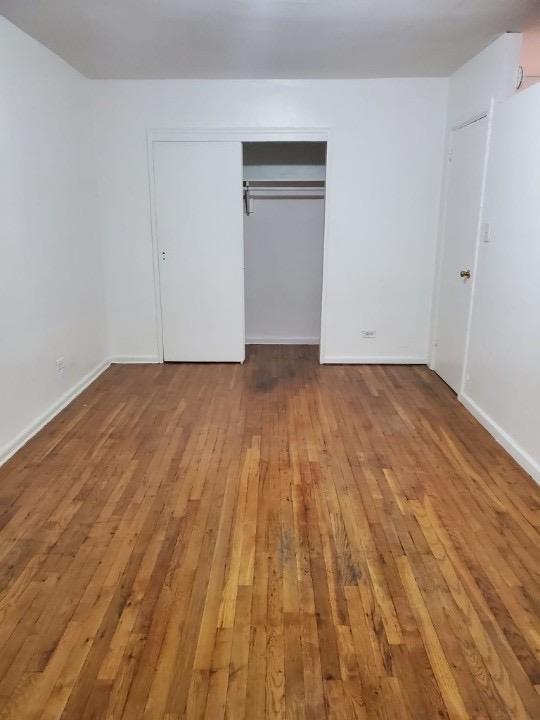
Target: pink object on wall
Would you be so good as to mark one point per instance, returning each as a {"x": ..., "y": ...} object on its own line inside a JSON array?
[{"x": 530, "y": 56}]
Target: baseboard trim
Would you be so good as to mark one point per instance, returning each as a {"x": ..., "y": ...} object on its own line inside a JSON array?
[
  {"x": 282, "y": 341},
  {"x": 134, "y": 359},
  {"x": 373, "y": 360},
  {"x": 503, "y": 438},
  {"x": 34, "y": 427}
]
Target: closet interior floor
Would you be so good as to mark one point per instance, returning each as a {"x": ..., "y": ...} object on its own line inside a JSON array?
[{"x": 277, "y": 539}]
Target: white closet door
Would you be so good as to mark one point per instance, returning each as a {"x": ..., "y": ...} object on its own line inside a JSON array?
[
  {"x": 199, "y": 218},
  {"x": 463, "y": 200}
]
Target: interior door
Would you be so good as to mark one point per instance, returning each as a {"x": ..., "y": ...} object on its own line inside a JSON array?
[
  {"x": 463, "y": 200},
  {"x": 199, "y": 220}
]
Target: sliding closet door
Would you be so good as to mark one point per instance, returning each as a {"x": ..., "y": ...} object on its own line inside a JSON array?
[{"x": 199, "y": 218}]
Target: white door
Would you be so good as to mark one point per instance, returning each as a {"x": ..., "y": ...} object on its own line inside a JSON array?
[
  {"x": 199, "y": 220},
  {"x": 463, "y": 200}
]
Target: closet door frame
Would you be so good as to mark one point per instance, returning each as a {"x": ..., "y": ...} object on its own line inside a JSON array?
[{"x": 154, "y": 135}]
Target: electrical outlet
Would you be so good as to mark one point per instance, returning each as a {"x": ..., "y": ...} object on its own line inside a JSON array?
[
  {"x": 369, "y": 334},
  {"x": 60, "y": 365}
]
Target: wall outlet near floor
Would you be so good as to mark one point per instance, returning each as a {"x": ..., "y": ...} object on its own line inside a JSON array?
[
  {"x": 60, "y": 365},
  {"x": 368, "y": 334}
]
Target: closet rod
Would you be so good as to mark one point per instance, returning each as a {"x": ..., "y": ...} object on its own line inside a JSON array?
[
  {"x": 279, "y": 184},
  {"x": 281, "y": 189}
]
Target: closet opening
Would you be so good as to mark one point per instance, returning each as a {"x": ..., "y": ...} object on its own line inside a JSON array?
[{"x": 284, "y": 211}]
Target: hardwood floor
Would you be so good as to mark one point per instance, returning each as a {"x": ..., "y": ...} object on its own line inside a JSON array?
[{"x": 273, "y": 540}]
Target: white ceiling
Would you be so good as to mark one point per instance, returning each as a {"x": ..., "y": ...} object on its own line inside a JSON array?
[{"x": 267, "y": 38}]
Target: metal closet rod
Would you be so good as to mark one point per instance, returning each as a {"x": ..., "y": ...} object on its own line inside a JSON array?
[
  {"x": 278, "y": 184},
  {"x": 276, "y": 189}
]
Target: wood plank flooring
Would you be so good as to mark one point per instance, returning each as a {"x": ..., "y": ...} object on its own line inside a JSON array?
[{"x": 273, "y": 540}]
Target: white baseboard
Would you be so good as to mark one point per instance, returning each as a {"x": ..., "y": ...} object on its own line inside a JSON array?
[
  {"x": 503, "y": 438},
  {"x": 34, "y": 427},
  {"x": 282, "y": 341},
  {"x": 373, "y": 360},
  {"x": 133, "y": 359}
]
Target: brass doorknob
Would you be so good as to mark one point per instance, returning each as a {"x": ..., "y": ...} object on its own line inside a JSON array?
[{"x": 465, "y": 274}]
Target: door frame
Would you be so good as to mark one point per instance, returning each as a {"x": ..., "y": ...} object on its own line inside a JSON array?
[
  {"x": 154, "y": 135},
  {"x": 488, "y": 115}
]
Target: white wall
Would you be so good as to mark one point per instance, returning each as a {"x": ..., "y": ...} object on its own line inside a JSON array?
[
  {"x": 503, "y": 370},
  {"x": 490, "y": 74},
  {"x": 384, "y": 175},
  {"x": 283, "y": 241},
  {"x": 51, "y": 275}
]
